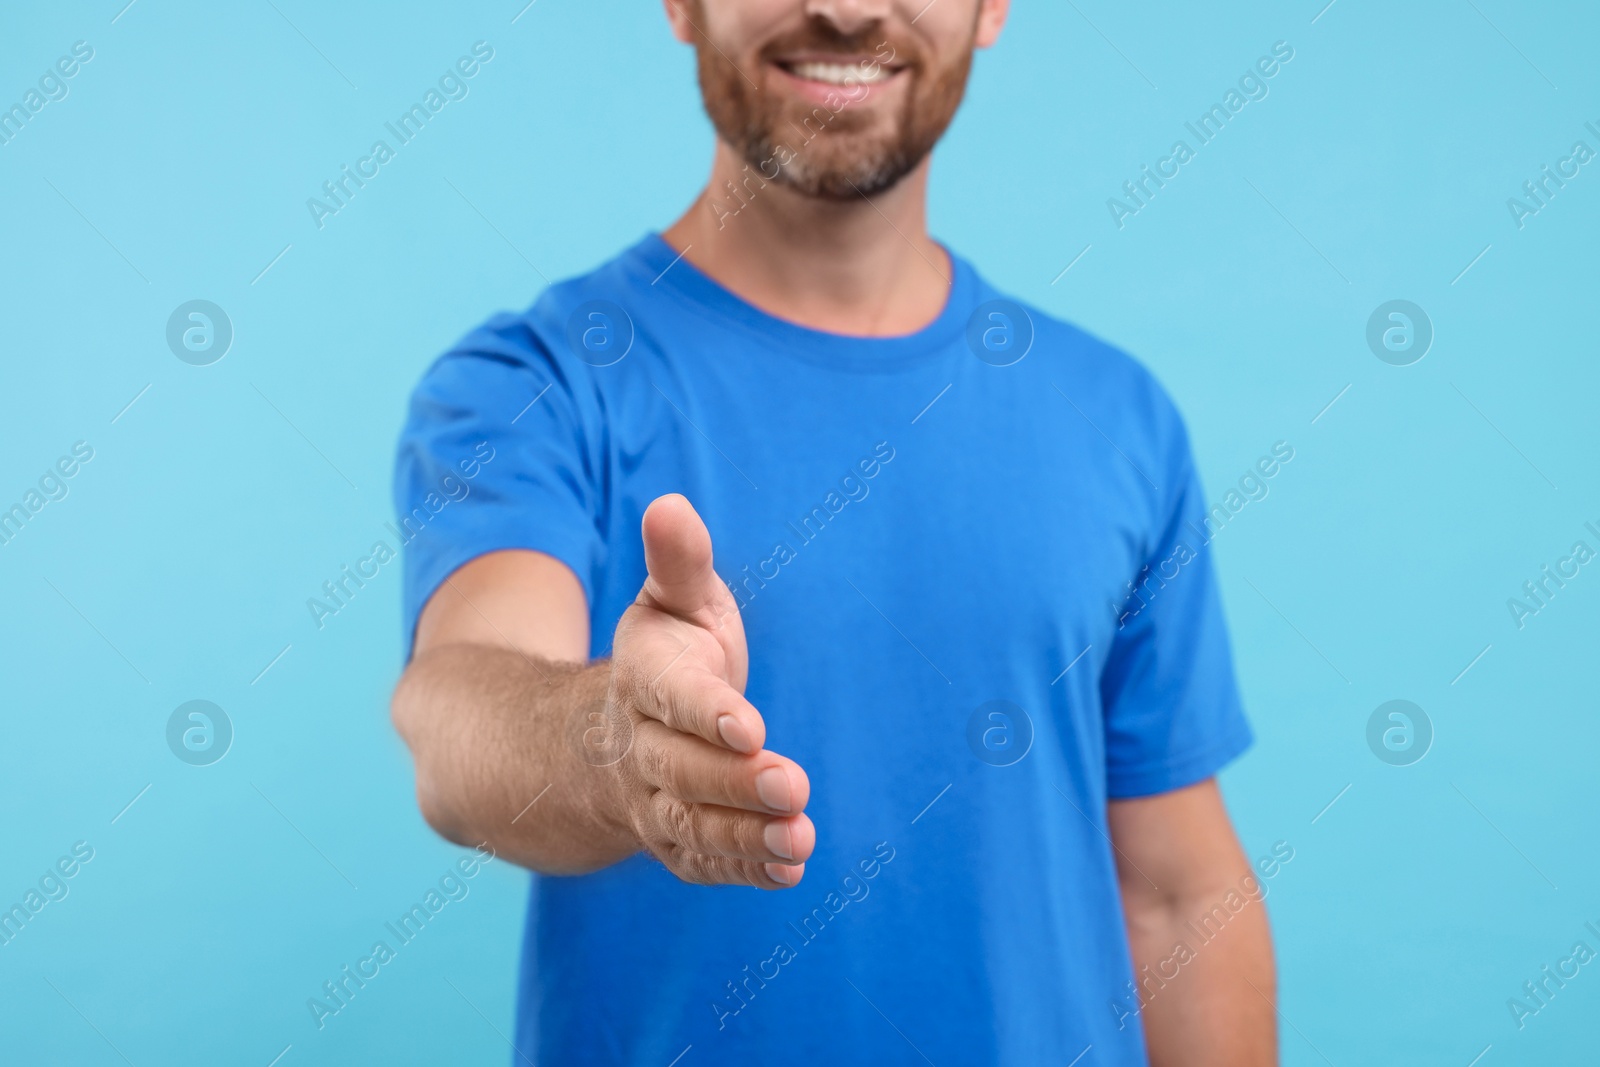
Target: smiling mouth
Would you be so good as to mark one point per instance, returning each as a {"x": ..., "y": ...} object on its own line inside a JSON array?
[{"x": 864, "y": 70}]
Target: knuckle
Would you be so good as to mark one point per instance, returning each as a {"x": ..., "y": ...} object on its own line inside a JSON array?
[
  {"x": 676, "y": 703},
  {"x": 674, "y": 771},
  {"x": 692, "y": 697},
  {"x": 649, "y": 698},
  {"x": 721, "y": 835},
  {"x": 659, "y": 764},
  {"x": 678, "y": 820},
  {"x": 752, "y": 838},
  {"x": 732, "y": 777},
  {"x": 675, "y": 860},
  {"x": 696, "y": 868},
  {"x": 634, "y": 769}
]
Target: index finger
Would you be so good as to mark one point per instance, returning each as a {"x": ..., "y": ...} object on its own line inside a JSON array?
[{"x": 693, "y": 700}]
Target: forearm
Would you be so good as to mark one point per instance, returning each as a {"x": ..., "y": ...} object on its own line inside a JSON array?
[
  {"x": 496, "y": 739},
  {"x": 1206, "y": 980}
]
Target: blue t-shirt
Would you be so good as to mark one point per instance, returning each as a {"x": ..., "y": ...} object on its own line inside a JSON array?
[{"x": 972, "y": 572}]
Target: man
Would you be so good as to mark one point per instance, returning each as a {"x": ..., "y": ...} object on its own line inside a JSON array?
[{"x": 939, "y": 717}]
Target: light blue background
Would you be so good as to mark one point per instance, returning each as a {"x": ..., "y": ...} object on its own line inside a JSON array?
[{"x": 1378, "y": 567}]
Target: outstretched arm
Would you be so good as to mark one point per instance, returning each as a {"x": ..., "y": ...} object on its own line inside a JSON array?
[{"x": 566, "y": 766}]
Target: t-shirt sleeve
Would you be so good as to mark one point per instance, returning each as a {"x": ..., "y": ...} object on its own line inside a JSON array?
[
  {"x": 1172, "y": 710},
  {"x": 496, "y": 454}
]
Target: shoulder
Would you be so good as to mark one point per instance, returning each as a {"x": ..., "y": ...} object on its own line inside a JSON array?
[
  {"x": 1106, "y": 384},
  {"x": 573, "y": 326},
  {"x": 558, "y": 316}
]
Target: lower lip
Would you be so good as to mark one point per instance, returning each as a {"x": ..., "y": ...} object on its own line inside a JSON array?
[{"x": 826, "y": 92}]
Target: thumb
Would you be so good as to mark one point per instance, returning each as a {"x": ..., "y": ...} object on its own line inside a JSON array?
[{"x": 677, "y": 555}]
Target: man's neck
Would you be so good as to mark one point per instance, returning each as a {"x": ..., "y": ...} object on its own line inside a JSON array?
[{"x": 860, "y": 267}]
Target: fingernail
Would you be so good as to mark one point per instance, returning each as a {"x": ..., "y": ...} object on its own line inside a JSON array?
[
  {"x": 772, "y": 786},
  {"x": 780, "y": 874},
  {"x": 780, "y": 841},
  {"x": 733, "y": 734}
]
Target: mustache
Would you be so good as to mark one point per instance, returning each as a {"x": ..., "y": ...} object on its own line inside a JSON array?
[{"x": 820, "y": 37}]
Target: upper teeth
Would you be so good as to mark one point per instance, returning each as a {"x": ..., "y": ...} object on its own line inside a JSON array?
[{"x": 841, "y": 74}]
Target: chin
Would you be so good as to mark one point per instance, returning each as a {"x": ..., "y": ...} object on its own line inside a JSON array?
[{"x": 843, "y": 179}]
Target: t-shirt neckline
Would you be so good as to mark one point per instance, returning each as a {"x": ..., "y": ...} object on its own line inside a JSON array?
[{"x": 665, "y": 267}]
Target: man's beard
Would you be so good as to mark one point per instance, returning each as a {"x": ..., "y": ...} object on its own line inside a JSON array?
[{"x": 842, "y": 161}]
